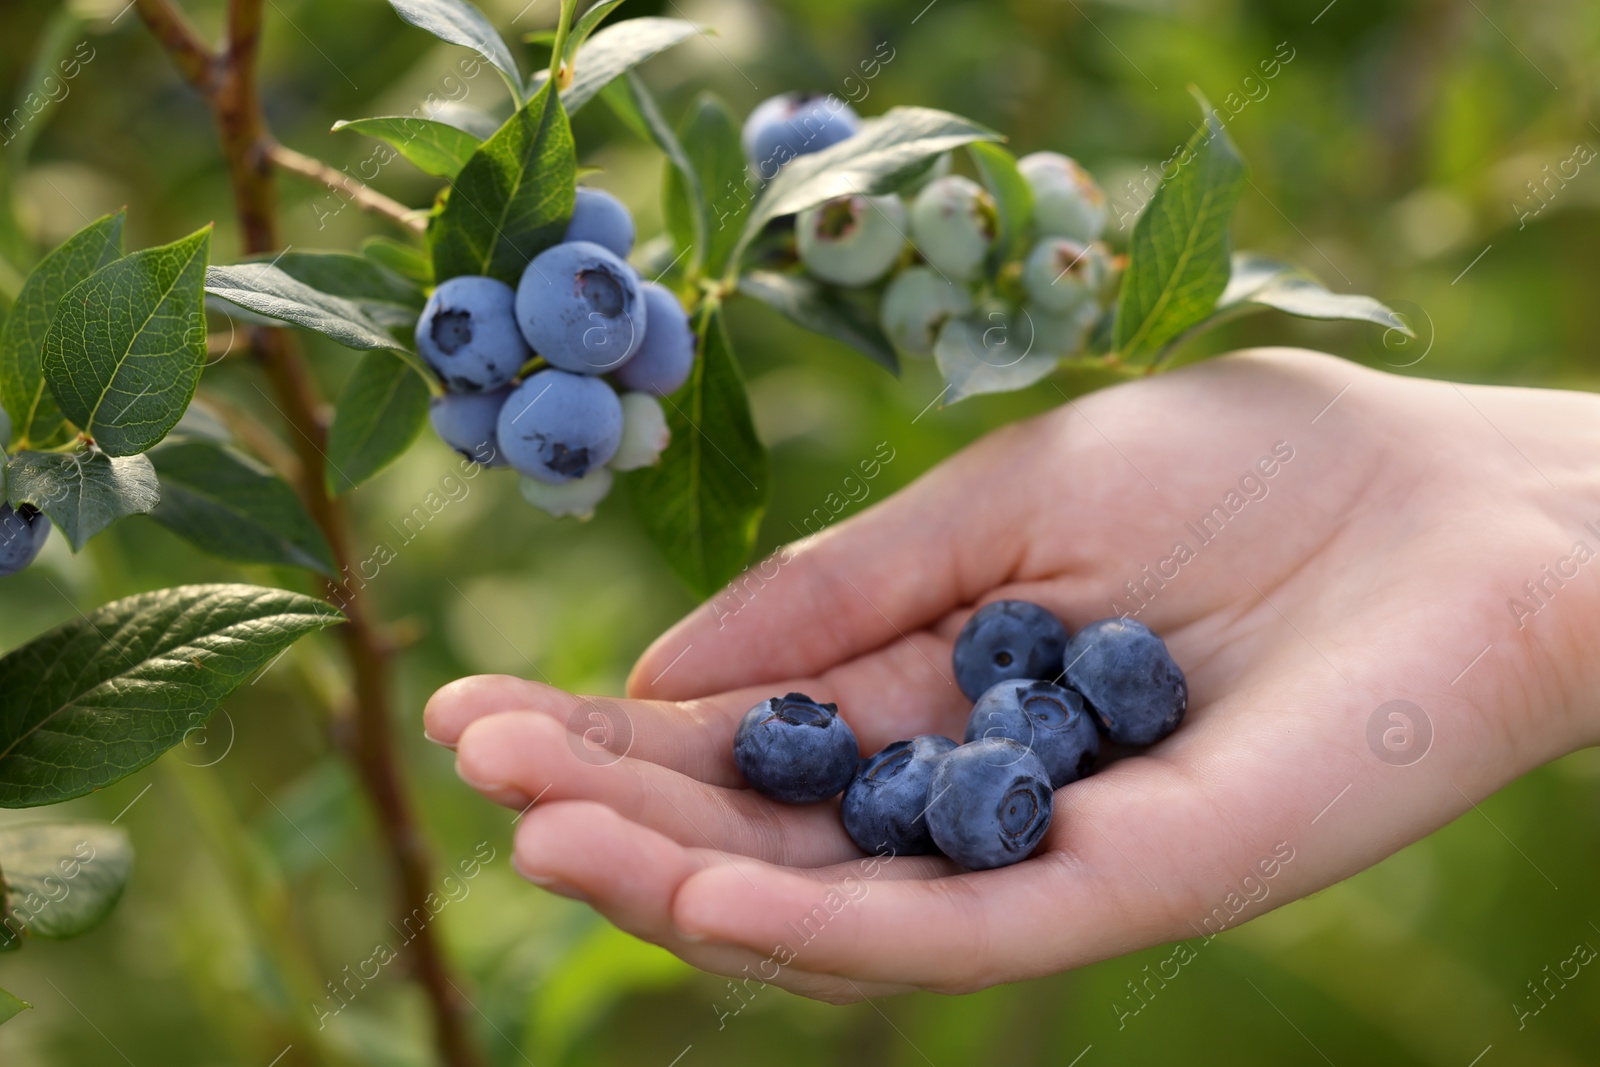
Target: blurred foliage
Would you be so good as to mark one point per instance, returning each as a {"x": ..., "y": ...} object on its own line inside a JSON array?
[{"x": 1389, "y": 156}]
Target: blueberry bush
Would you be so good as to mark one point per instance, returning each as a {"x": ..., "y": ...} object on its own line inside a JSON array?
[{"x": 517, "y": 313}]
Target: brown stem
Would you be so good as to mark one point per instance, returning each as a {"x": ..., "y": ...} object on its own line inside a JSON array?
[
  {"x": 362, "y": 196},
  {"x": 188, "y": 52},
  {"x": 228, "y": 82}
]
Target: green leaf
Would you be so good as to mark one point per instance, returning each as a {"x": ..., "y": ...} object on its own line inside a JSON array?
[
  {"x": 82, "y": 492},
  {"x": 124, "y": 353},
  {"x": 989, "y": 351},
  {"x": 231, "y": 507},
  {"x": 619, "y": 97},
  {"x": 1268, "y": 283},
  {"x": 408, "y": 261},
  {"x": 380, "y": 413},
  {"x": 458, "y": 22},
  {"x": 1013, "y": 198},
  {"x": 270, "y": 291},
  {"x": 702, "y": 505},
  {"x": 691, "y": 221},
  {"x": 435, "y": 147},
  {"x": 11, "y": 1007},
  {"x": 391, "y": 300},
  {"x": 873, "y": 162},
  {"x": 513, "y": 198},
  {"x": 823, "y": 310},
  {"x": 1178, "y": 256},
  {"x": 62, "y": 879},
  {"x": 619, "y": 48},
  {"x": 105, "y": 694},
  {"x": 35, "y": 417},
  {"x": 709, "y": 135},
  {"x": 586, "y": 25}
]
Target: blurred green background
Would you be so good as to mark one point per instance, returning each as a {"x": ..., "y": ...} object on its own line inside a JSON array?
[{"x": 1390, "y": 157}]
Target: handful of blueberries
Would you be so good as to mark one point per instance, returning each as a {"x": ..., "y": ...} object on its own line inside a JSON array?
[{"x": 1042, "y": 700}]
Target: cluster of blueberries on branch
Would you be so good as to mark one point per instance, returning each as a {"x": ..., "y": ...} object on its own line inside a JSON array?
[
  {"x": 560, "y": 377},
  {"x": 937, "y": 245}
]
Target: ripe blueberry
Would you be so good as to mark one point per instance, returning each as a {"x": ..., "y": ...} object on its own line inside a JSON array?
[
  {"x": 557, "y": 427},
  {"x": 1062, "y": 275},
  {"x": 600, "y": 218},
  {"x": 468, "y": 334},
  {"x": 1066, "y": 201},
  {"x": 794, "y": 124},
  {"x": 916, "y": 304},
  {"x": 1050, "y": 720},
  {"x": 577, "y": 498},
  {"x": 1128, "y": 679},
  {"x": 579, "y": 306},
  {"x": 23, "y": 532},
  {"x": 953, "y": 225},
  {"x": 666, "y": 354},
  {"x": 885, "y": 810},
  {"x": 645, "y": 434},
  {"x": 466, "y": 422},
  {"x": 852, "y": 240},
  {"x": 989, "y": 803},
  {"x": 1007, "y": 639},
  {"x": 795, "y": 750}
]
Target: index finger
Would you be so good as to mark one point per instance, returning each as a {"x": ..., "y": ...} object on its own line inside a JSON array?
[{"x": 896, "y": 568}]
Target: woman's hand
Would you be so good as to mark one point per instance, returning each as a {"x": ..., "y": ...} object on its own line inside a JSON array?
[{"x": 1315, "y": 541}]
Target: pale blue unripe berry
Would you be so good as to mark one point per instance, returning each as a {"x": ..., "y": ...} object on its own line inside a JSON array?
[
  {"x": 953, "y": 226},
  {"x": 1061, "y": 275},
  {"x": 916, "y": 304},
  {"x": 851, "y": 240},
  {"x": 1066, "y": 200}
]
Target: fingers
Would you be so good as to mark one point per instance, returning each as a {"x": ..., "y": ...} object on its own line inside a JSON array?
[
  {"x": 456, "y": 705},
  {"x": 872, "y": 579},
  {"x": 694, "y": 737},
  {"x": 951, "y": 934},
  {"x": 901, "y": 691},
  {"x": 630, "y": 874},
  {"x": 516, "y": 756}
]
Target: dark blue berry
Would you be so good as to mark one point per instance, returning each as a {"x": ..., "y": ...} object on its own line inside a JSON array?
[
  {"x": 795, "y": 750},
  {"x": 1008, "y": 639},
  {"x": 1128, "y": 679},
  {"x": 885, "y": 808}
]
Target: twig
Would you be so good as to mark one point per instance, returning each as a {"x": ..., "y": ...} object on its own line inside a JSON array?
[
  {"x": 229, "y": 84},
  {"x": 362, "y": 196},
  {"x": 194, "y": 60}
]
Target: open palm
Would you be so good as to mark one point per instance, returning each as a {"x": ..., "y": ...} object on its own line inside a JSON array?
[{"x": 1332, "y": 556}]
